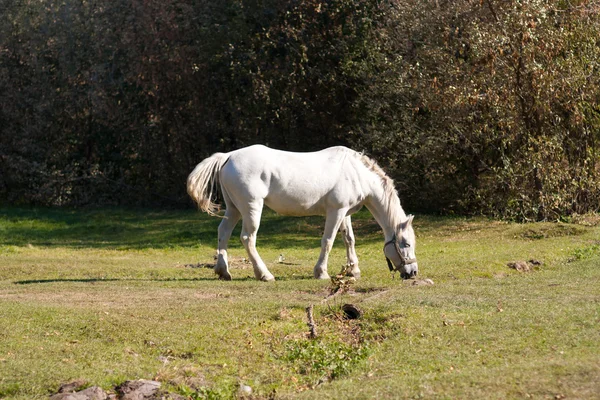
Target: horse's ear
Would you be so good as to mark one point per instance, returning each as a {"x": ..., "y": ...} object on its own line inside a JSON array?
[{"x": 404, "y": 225}]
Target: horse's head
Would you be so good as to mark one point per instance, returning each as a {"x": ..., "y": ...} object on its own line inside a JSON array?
[{"x": 400, "y": 251}]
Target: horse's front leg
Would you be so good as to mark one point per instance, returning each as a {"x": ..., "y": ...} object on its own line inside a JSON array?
[
  {"x": 232, "y": 216},
  {"x": 332, "y": 224},
  {"x": 348, "y": 236},
  {"x": 250, "y": 224}
]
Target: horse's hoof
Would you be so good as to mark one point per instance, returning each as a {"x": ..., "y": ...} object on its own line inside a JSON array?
[
  {"x": 225, "y": 277},
  {"x": 355, "y": 274},
  {"x": 267, "y": 278},
  {"x": 323, "y": 276}
]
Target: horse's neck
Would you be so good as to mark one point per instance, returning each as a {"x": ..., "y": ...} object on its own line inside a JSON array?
[{"x": 387, "y": 211}]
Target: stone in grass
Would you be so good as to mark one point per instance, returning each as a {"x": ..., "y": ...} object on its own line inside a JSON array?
[
  {"x": 244, "y": 390},
  {"x": 91, "y": 393},
  {"x": 130, "y": 390},
  {"x": 525, "y": 266},
  {"x": 72, "y": 386},
  {"x": 422, "y": 282},
  {"x": 141, "y": 389}
]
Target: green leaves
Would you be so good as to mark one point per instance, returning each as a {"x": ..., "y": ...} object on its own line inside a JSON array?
[{"x": 324, "y": 359}]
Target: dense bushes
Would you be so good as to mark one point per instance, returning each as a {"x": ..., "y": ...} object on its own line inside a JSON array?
[
  {"x": 508, "y": 106},
  {"x": 473, "y": 106}
]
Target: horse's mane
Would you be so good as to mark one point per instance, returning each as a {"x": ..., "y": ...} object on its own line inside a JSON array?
[{"x": 391, "y": 201}]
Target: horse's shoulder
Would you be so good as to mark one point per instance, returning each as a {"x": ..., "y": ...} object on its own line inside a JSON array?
[{"x": 341, "y": 149}]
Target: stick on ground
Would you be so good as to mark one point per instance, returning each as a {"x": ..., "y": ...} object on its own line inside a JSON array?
[{"x": 311, "y": 322}]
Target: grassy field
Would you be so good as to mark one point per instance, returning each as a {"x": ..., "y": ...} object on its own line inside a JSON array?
[{"x": 106, "y": 296}]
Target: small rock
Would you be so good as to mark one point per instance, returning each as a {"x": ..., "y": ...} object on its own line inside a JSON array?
[
  {"x": 422, "y": 282},
  {"x": 138, "y": 390},
  {"x": 520, "y": 266},
  {"x": 72, "y": 386},
  {"x": 94, "y": 393},
  {"x": 91, "y": 393},
  {"x": 525, "y": 266},
  {"x": 68, "y": 396},
  {"x": 244, "y": 390}
]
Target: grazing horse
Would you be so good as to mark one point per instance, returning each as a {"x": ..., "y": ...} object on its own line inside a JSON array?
[{"x": 335, "y": 182}]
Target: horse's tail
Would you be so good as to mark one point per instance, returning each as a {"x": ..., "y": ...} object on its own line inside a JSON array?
[{"x": 202, "y": 181}]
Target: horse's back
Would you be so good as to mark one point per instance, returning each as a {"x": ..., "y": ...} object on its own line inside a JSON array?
[
  {"x": 257, "y": 160},
  {"x": 261, "y": 152}
]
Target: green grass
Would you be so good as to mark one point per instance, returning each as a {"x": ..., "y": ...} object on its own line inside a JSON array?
[{"x": 105, "y": 296}]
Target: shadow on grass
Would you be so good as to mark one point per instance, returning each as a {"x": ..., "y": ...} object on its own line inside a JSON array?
[
  {"x": 123, "y": 229},
  {"x": 95, "y": 280}
]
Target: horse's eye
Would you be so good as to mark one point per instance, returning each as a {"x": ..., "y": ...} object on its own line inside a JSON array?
[{"x": 407, "y": 245}]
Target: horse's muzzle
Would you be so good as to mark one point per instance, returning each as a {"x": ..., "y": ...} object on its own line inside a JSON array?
[{"x": 410, "y": 271}]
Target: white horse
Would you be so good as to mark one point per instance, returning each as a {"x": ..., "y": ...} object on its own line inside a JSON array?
[{"x": 335, "y": 182}]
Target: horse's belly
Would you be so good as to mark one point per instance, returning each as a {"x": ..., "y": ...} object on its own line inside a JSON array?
[{"x": 287, "y": 205}]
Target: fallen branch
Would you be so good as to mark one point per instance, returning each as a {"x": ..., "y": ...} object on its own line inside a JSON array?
[{"x": 311, "y": 322}]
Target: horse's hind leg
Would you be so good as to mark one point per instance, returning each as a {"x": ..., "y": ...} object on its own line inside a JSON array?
[
  {"x": 250, "y": 224},
  {"x": 232, "y": 216},
  {"x": 348, "y": 236}
]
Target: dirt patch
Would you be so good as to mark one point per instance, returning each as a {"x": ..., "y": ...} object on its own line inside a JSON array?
[
  {"x": 525, "y": 266},
  {"x": 549, "y": 230}
]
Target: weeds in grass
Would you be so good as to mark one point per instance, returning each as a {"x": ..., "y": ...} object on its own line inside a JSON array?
[
  {"x": 585, "y": 253},
  {"x": 205, "y": 393},
  {"x": 325, "y": 360}
]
